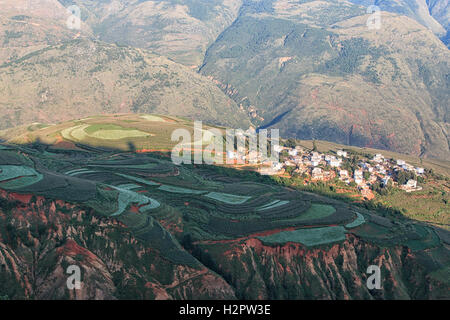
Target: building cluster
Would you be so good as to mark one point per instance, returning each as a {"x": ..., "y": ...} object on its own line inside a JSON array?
[{"x": 316, "y": 166}]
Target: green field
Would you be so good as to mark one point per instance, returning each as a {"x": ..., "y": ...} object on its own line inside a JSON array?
[{"x": 308, "y": 237}]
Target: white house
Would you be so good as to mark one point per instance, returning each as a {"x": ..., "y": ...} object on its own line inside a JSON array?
[
  {"x": 411, "y": 184},
  {"x": 293, "y": 152},
  {"x": 335, "y": 163},
  {"x": 358, "y": 176},
  {"x": 343, "y": 174},
  {"x": 378, "y": 158},
  {"x": 317, "y": 173},
  {"x": 342, "y": 153},
  {"x": 401, "y": 162},
  {"x": 420, "y": 170},
  {"x": 316, "y": 158}
]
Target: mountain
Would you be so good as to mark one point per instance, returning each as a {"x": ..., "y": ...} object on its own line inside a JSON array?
[
  {"x": 83, "y": 77},
  {"x": 431, "y": 13},
  {"x": 181, "y": 30},
  {"x": 314, "y": 70},
  {"x": 27, "y": 26},
  {"x": 311, "y": 68},
  {"x": 139, "y": 227}
]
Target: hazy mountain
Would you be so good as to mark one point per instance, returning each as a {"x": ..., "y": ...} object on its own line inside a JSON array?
[
  {"x": 178, "y": 29},
  {"x": 316, "y": 71},
  {"x": 82, "y": 78},
  {"x": 430, "y": 13},
  {"x": 29, "y": 25}
]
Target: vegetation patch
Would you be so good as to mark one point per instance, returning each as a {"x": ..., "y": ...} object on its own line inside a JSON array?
[
  {"x": 273, "y": 204},
  {"x": 307, "y": 237},
  {"x": 358, "y": 221},
  {"x": 150, "y": 117},
  {"x": 127, "y": 197},
  {"x": 317, "y": 211},
  {"x": 227, "y": 198},
  {"x": 16, "y": 177}
]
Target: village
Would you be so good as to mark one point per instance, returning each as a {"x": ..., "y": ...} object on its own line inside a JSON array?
[{"x": 366, "y": 174}]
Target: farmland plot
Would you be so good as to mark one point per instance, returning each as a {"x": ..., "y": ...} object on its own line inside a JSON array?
[{"x": 308, "y": 237}]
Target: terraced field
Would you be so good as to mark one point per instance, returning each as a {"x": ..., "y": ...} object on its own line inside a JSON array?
[
  {"x": 144, "y": 132},
  {"x": 174, "y": 209},
  {"x": 137, "y": 188}
]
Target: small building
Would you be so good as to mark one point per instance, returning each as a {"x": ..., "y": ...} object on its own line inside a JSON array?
[
  {"x": 401, "y": 163},
  {"x": 343, "y": 174},
  {"x": 293, "y": 152},
  {"x": 420, "y": 170},
  {"x": 411, "y": 186},
  {"x": 335, "y": 163},
  {"x": 317, "y": 174},
  {"x": 358, "y": 177},
  {"x": 342, "y": 153},
  {"x": 289, "y": 163},
  {"x": 278, "y": 148},
  {"x": 378, "y": 158},
  {"x": 315, "y": 159},
  {"x": 411, "y": 183}
]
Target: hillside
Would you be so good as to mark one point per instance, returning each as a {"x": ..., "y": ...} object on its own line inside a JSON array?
[
  {"x": 433, "y": 14},
  {"x": 314, "y": 70},
  {"x": 81, "y": 78},
  {"x": 145, "y": 133},
  {"x": 27, "y": 26},
  {"x": 140, "y": 227},
  {"x": 179, "y": 30}
]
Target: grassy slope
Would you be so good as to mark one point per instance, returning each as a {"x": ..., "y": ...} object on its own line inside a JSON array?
[{"x": 82, "y": 78}]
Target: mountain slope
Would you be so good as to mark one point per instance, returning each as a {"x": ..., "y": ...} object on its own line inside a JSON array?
[
  {"x": 81, "y": 78},
  {"x": 180, "y": 30},
  {"x": 429, "y": 13},
  {"x": 26, "y": 26},
  {"x": 314, "y": 70}
]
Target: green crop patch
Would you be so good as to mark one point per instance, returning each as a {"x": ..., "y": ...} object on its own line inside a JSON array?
[
  {"x": 127, "y": 197},
  {"x": 273, "y": 204},
  {"x": 357, "y": 222},
  {"x": 174, "y": 189},
  {"x": 308, "y": 237},
  {"x": 227, "y": 198},
  {"x": 317, "y": 211},
  {"x": 16, "y": 177}
]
